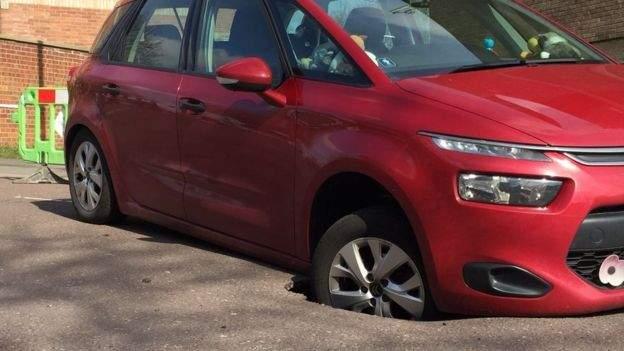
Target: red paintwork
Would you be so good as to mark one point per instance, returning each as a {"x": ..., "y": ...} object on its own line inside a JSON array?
[
  {"x": 238, "y": 161},
  {"x": 569, "y": 105},
  {"x": 250, "y": 70},
  {"x": 253, "y": 72},
  {"x": 244, "y": 173}
]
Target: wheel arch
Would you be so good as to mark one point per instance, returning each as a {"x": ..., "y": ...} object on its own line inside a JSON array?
[
  {"x": 70, "y": 135},
  {"x": 369, "y": 180}
]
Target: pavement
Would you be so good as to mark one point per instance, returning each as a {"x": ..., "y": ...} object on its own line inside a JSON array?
[
  {"x": 17, "y": 169},
  {"x": 10, "y": 168},
  {"x": 66, "y": 285}
]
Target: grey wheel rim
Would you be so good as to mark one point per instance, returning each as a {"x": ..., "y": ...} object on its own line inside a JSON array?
[
  {"x": 87, "y": 180},
  {"x": 374, "y": 276}
]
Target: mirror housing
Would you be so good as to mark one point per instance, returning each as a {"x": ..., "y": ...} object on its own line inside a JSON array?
[{"x": 250, "y": 74}]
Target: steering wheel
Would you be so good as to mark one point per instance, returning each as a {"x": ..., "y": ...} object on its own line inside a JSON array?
[{"x": 323, "y": 56}]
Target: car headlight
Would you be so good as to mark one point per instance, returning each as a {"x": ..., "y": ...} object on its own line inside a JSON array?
[
  {"x": 486, "y": 148},
  {"x": 503, "y": 190}
]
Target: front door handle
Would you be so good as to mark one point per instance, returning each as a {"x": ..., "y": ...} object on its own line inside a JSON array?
[
  {"x": 192, "y": 105},
  {"x": 111, "y": 89}
]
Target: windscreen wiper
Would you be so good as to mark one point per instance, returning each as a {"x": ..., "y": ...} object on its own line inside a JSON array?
[
  {"x": 515, "y": 63},
  {"x": 491, "y": 65},
  {"x": 560, "y": 61}
]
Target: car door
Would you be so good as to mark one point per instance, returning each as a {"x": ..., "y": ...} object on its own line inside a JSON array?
[
  {"x": 138, "y": 100},
  {"x": 237, "y": 150}
]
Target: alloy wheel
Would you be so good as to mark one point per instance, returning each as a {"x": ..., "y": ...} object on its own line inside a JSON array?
[
  {"x": 374, "y": 276},
  {"x": 88, "y": 178}
]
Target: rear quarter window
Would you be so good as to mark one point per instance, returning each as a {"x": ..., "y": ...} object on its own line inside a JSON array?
[
  {"x": 155, "y": 37},
  {"x": 108, "y": 26}
]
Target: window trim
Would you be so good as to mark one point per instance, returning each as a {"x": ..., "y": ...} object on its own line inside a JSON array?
[
  {"x": 123, "y": 29},
  {"x": 121, "y": 26},
  {"x": 289, "y": 55},
  {"x": 96, "y": 49},
  {"x": 189, "y": 33},
  {"x": 288, "y": 69}
]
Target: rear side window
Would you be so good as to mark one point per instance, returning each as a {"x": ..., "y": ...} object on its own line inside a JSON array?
[
  {"x": 154, "y": 39},
  {"x": 108, "y": 26}
]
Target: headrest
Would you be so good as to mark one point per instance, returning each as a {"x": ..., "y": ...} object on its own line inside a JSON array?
[
  {"x": 163, "y": 43},
  {"x": 367, "y": 21},
  {"x": 163, "y": 31}
]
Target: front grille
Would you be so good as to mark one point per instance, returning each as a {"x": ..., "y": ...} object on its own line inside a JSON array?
[
  {"x": 600, "y": 235},
  {"x": 587, "y": 263},
  {"x": 598, "y": 158}
]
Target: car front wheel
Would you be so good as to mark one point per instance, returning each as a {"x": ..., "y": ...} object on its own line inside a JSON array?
[{"x": 367, "y": 262}]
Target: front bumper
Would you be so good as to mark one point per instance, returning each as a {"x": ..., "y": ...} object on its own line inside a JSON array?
[
  {"x": 539, "y": 240},
  {"x": 600, "y": 236}
]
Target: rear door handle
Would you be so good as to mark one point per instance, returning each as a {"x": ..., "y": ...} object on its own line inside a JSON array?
[
  {"x": 192, "y": 105},
  {"x": 112, "y": 89}
]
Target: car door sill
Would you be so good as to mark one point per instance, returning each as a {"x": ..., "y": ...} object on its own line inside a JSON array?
[{"x": 219, "y": 239}]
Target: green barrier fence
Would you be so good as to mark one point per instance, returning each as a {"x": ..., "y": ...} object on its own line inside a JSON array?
[{"x": 41, "y": 116}]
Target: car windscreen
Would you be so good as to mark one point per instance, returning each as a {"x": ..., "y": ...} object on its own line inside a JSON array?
[{"x": 422, "y": 37}]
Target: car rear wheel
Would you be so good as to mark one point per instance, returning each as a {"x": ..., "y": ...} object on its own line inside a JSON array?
[
  {"x": 89, "y": 181},
  {"x": 368, "y": 263}
]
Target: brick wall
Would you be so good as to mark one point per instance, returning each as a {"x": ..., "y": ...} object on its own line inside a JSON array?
[
  {"x": 65, "y": 29},
  {"x": 599, "y": 21},
  {"x": 66, "y": 26},
  {"x": 29, "y": 64},
  {"x": 595, "y": 20}
]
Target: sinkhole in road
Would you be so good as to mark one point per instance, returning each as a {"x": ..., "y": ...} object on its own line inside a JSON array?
[{"x": 300, "y": 284}]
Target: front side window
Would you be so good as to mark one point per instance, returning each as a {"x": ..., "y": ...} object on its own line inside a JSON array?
[
  {"x": 235, "y": 29},
  {"x": 313, "y": 53},
  {"x": 419, "y": 37},
  {"x": 154, "y": 39}
]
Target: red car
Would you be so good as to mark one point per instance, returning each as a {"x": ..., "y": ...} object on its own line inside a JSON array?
[{"x": 412, "y": 156}]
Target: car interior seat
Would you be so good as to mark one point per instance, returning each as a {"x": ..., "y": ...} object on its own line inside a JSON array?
[
  {"x": 306, "y": 39},
  {"x": 369, "y": 22}
]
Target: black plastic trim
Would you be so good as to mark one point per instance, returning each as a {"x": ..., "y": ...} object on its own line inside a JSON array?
[
  {"x": 112, "y": 42},
  {"x": 189, "y": 34},
  {"x": 504, "y": 280},
  {"x": 248, "y": 87},
  {"x": 600, "y": 231}
]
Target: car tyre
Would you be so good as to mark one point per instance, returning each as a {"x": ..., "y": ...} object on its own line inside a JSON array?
[
  {"x": 90, "y": 183},
  {"x": 368, "y": 262}
]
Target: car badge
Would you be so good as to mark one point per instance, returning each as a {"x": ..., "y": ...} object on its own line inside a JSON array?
[{"x": 612, "y": 271}]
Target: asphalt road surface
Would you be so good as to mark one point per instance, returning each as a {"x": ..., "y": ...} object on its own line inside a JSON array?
[{"x": 65, "y": 285}]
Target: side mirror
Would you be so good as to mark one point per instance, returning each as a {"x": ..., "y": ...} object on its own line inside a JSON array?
[
  {"x": 248, "y": 74},
  {"x": 251, "y": 75}
]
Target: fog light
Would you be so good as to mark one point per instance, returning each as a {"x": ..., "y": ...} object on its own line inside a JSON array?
[{"x": 505, "y": 190}]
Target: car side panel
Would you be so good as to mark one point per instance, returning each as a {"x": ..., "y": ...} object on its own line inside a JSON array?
[
  {"x": 351, "y": 129},
  {"x": 238, "y": 160},
  {"x": 142, "y": 124},
  {"x": 84, "y": 112}
]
